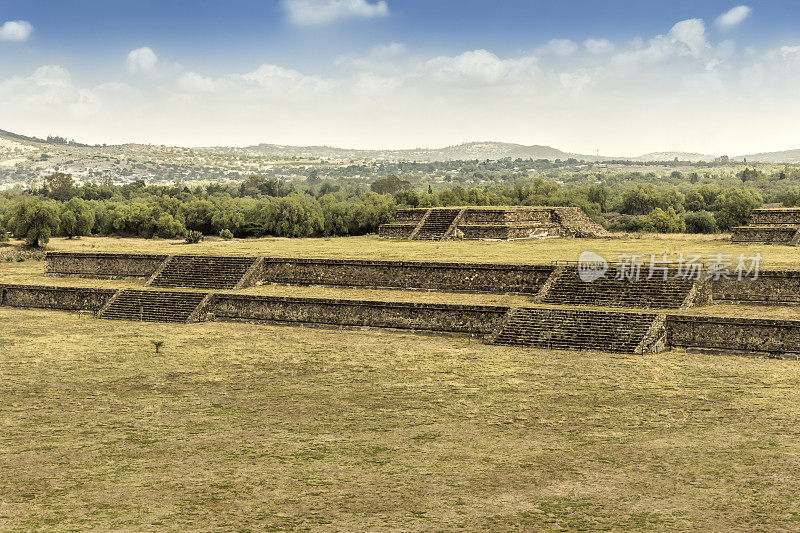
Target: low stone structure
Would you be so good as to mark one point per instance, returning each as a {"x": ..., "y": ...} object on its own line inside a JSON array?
[
  {"x": 744, "y": 336},
  {"x": 102, "y": 265},
  {"x": 539, "y": 327},
  {"x": 462, "y": 277},
  {"x": 63, "y": 298},
  {"x": 770, "y": 287},
  {"x": 474, "y": 223},
  {"x": 572, "y": 329},
  {"x": 778, "y": 226},
  {"x": 465, "y": 319}
]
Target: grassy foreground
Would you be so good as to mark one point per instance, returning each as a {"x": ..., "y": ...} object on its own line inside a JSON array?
[{"x": 242, "y": 427}]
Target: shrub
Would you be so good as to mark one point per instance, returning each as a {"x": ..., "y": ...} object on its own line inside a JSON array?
[
  {"x": 700, "y": 222},
  {"x": 661, "y": 221},
  {"x": 193, "y": 237},
  {"x": 226, "y": 234}
]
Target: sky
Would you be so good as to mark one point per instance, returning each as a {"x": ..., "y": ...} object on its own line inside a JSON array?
[{"x": 587, "y": 76}]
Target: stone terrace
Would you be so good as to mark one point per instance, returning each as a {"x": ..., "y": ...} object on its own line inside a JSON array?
[
  {"x": 779, "y": 226},
  {"x": 474, "y": 223}
]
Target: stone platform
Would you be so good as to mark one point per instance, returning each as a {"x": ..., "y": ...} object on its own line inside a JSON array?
[
  {"x": 778, "y": 226},
  {"x": 477, "y": 223}
]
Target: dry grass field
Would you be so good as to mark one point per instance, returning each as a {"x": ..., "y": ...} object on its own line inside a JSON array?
[
  {"x": 372, "y": 247},
  {"x": 240, "y": 427},
  {"x": 245, "y": 427}
]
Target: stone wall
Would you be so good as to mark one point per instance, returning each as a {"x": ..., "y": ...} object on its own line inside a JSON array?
[
  {"x": 64, "y": 298},
  {"x": 396, "y": 231},
  {"x": 412, "y": 216},
  {"x": 771, "y": 286},
  {"x": 475, "y": 320},
  {"x": 756, "y": 336},
  {"x": 479, "y": 277},
  {"x": 775, "y": 216},
  {"x": 101, "y": 265},
  {"x": 765, "y": 234}
]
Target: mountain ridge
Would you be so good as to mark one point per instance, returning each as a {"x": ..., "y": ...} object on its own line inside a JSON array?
[{"x": 480, "y": 150}]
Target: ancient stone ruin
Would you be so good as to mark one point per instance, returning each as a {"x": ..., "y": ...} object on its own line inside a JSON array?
[
  {"x": 778, "y": 226},
  {"x": 610, "y": 314},
  {"x": 476, "y": 223}
]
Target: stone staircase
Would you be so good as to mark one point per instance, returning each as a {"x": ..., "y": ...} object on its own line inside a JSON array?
[
  {"x": 203, "y": 272},
  {"x": 437, "y": 223},
  {"x": 655, "y": 293},
  {"x": 575, "y": 329},
  {"x": 153, "y": 306}
]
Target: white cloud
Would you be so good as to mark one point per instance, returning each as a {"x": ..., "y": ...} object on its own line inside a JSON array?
[
  {"x": 559, "y": 48},
  {"x": 684, "y": 75},
  {"x": 49, "y": 85},
  {"x": 15, "y": 30},
  {"x": 317, "y": 12},
  {"x": 142, "y": 61},
  {"x": 686, "y": 38},
  {"x": 479, "y": 67},
  {"x": 692, "y": 34},
  {"x": 194, "y": 82},
  {"x": 733, "y": 17},
  {"x": 598, "y": 46},
  {"x": 51, "y": 75}
]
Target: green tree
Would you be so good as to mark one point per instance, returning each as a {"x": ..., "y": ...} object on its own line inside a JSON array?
[
  {"x": 60, "y": 186},
  {"x": 661, "y": 221},
  {"x": 390, "y": 185},
  {"x": 77, "y": 218},
  {"x": 33, "y": 220},
  {"x": 296, "y": 215},
  {"x": 733, "y": 207},
  {"x": 167, "y": 227},
  {"x": 599, "y": 195}
]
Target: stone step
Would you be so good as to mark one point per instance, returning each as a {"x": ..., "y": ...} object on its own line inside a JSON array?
[
  {"x": 652, "y": 293},
  {"x": 153, "y": 306},
  {"x": 207, "y": 272},
  {"x": 575, "y": 329}
]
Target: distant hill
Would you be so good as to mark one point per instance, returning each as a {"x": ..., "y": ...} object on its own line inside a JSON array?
[
  {"x": 671, "y": 156},
  {"x": 466, "y": 151},
  {"x": 785, "y": 156},
  {"x": 19, "y": 138}
]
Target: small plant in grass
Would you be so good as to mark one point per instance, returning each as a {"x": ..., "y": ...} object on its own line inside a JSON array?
[
  {"x": 20, "y": 258},
  {"x": 158, "y": 345},
  {"x": 193, "y": 237},
  {"x": 226, "y": 234}
]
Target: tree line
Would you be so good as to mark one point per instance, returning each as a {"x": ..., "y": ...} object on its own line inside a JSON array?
[{"x": 261, "y": 206}]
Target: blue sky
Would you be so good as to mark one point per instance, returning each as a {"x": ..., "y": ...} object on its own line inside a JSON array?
[{"x": 621, "y": 77}]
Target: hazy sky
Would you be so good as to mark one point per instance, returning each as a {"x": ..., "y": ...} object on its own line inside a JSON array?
[{"x": 618, "y": 77}]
